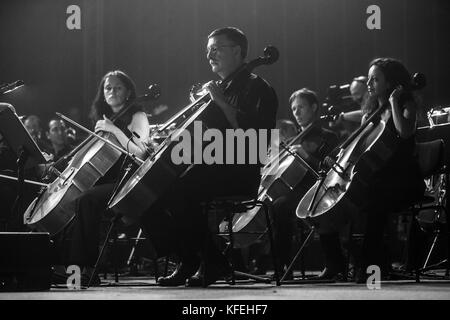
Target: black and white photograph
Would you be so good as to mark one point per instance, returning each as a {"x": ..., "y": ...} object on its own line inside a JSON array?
[{"x": 219, "y": 157}]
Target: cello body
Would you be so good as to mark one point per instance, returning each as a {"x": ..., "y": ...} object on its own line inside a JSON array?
[
  {"x": 276, "y": 181},
  {"x": 54, "y": 209},
  {"x": 154, "y": 177},
  {"x": 331, "y": 201}
]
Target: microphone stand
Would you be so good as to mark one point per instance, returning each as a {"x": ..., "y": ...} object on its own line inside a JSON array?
[{"x": 16, "y": 209}]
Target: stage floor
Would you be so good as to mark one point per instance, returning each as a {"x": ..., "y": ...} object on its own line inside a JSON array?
[{"x": 144, "y": 288}]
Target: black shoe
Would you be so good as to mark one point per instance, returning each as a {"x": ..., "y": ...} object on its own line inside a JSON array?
[
  {"x": 209, "y": 275},
  {"x": 179, "y": 276}
]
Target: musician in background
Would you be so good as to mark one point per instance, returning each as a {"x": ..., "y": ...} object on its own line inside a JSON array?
[
  {"x": 57, "y": 135},
  {"x": 74, "y": 136},
  {"x": 115, "y": 92},
  {"x": 33, "y": 125},
  {"x": 249, "y": 102},
  {"x": 399, "y": 183},
  {"x": 7, "y": 156},
  {"x": 60, "y": 146},
  {"x": 312, "y": 146},
  {"x": 316, "y": 144},
  {"x": 359, "y": 93},
  {"x": 287, "y": 130},
  {"x": 11, "y": 209},
  {"x": 347, "y": 122}
]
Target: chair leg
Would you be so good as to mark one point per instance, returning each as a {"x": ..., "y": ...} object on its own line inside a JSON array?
[
  {"x": 166, "y": 265},
  {"x": 350, "y": 247},
  {"x": 133, "y": 249},
  {"x": 447, "y": 270},
  {"x": 272, "y": 243},
  {"x": 302, "y": 259},
  {"x": 412, "y": 246},
  {"x": 431, "y": 250},
  {"x": 115, "y": 257},
  {"x": 205, "y": 242},
  {"x": 231, "y": 241},
  {"x": 447, "y": 209},
  {"x": 230, "y": 234}
]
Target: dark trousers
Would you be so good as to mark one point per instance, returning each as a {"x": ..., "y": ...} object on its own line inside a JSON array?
[
  {"x": 332, "y": 251},
  {"x": 85, "y": 229},
  {"x": 177, "y": 224},
  {"x": 285, "y": 220},
  {"x": 385, "y": 198}
]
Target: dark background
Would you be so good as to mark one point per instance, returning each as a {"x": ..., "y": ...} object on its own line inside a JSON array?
[{"x": 163, "y": 41}]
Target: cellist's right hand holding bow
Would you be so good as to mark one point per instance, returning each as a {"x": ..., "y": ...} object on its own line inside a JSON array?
[
  {"x": 215, "y": 92},
  {"x": 106, "y": 125}
]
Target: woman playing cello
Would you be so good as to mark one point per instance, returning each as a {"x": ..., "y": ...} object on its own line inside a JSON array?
[
  {"x": 115, "y": 92},
  {"x": 398, "y": 182}
]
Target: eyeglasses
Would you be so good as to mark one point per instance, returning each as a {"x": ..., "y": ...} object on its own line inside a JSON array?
[{"x": 215, "y": 49}]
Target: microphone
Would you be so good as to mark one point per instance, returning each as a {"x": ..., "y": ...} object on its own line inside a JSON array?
[
  {"x": 153, "y": 93},
  {"x": 11, "y": 86}
]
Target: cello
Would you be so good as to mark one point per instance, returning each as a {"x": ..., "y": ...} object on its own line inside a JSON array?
[
  {"x": 153, "y": 178},
  {"x": 341, "y": 192},
  {"x": 276, "y": 181},
  {"x": 54, "y": 207}
]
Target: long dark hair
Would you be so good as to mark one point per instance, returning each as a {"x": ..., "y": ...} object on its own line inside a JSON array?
[
  {"x": 99, "y": 106},
  {"x": 396, "y": 74}
]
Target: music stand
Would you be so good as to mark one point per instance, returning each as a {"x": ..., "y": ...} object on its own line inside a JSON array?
[{"x": 19, "y": 140}]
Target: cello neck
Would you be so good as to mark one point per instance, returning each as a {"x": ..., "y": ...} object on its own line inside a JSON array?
[
  {"x": 202, "y": 99},
  {"x": 270, "y": 56},
  {"x": 361, "y": 128}
]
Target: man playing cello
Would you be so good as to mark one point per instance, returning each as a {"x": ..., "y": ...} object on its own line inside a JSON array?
[{"x": 248, "y": 102}]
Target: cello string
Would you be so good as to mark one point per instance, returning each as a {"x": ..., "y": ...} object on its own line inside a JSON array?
[{"x": 289, "y": 144}]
